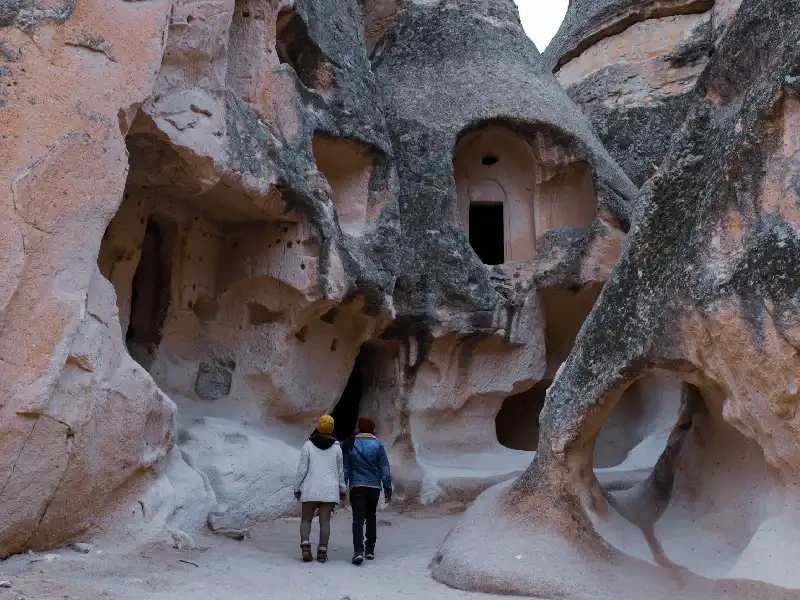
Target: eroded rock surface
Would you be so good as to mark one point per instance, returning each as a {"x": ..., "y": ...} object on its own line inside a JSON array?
[
  {"x": 495, "y": 167},
  {"x": 200, "y": 196},
  {"x": 239, "y": 214},
  {"x": 632, "y": 65},
  {"x": 82, "y": 423},
  {"x": 203, "y": 252},
  {"x": 707, "y": 289}
]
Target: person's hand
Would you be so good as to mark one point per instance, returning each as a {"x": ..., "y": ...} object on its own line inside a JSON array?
[
  {"x": 342, "y": 495},
  {"x": 388, "y": 498},
  {"x": 297, "y": 494}
]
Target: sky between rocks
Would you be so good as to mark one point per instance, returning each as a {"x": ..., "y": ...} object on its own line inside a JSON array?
[{"x": 541, "y": 19}]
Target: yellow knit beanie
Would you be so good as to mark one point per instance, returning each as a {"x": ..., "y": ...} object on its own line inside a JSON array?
[{"x": 325, "y": 424}]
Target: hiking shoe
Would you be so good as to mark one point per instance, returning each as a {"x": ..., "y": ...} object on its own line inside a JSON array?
[
  {"x": 370, "y": 556},
  {"x": 358, "y": 559},
  {"x": 322, "y": 554},
  {"x": 306, "y": 550}
]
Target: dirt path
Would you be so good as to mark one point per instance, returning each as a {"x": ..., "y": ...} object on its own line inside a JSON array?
[{"x": 266, "y": 567}]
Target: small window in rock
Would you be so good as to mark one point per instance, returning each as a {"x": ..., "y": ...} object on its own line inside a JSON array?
[
  {"x": 258, "y": 314},
  {"x": 486, "y": 232},
  {"x": 489, "y": 160}
]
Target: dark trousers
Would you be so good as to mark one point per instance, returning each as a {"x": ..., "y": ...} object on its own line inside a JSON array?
[{"x": 364, "y": 502}]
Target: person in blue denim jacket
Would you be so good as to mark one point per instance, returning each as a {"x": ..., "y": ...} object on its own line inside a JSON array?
[{"x": 366, "y": 470}]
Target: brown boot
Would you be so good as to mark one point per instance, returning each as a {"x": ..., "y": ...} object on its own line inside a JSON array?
[{"x": 306, "y": 549}]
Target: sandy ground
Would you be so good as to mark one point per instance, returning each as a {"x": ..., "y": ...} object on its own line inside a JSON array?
[{"x": 265, "y": 567}]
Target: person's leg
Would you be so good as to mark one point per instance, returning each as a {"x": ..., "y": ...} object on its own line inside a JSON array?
[
  {"x": 358, "y": 504},
  {"x": 306, "y": 518},
  {"x": 372, "y": 497},
  {"x": 325, "y": 512}
]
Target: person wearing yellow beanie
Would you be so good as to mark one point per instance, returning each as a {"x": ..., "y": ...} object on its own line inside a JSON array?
[
  {"x": 319, "y": 485},
  {"x": 325, "y": 425}
]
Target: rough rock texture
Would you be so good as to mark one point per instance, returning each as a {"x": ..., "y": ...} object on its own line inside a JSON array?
[
  {"x": 203, "y": 252},
  {"x": 240, "y": 214},
  {"x": 82, "y": 424},
  {"x": 707, "y": 288},
  {"x": 632, "y": 65},
  {"x": 224, "y": 271},
  {"x": 466, "y": 336}
]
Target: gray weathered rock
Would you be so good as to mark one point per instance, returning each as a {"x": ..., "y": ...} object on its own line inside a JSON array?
[
  {"x": 182, "y": 540},
  {"x": 235, "y": 215},
  {"x": 631, "y": 66},
  {"x": 708, "y": 288},
  {"x": 449, "y": 73},
  {"x": 214, "y": 380}
]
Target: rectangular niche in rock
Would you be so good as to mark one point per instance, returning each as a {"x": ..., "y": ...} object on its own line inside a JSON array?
[
  {"x": 214, "y": 379},
  {"x": 486, "y": 232}
]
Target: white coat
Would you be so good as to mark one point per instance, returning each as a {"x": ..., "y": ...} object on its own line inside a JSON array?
[{"x": 320, "y": 473}]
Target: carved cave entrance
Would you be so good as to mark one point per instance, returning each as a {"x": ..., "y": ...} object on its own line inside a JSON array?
[
  {"x": 150, "y": 292},
  {"x": 486, "y": 232},
  {"x": 517, "y": 423},
  {"x": 345, "y": 413},
  {"x": 538, "y": 191},
  {"x": 495, "y": 175}
]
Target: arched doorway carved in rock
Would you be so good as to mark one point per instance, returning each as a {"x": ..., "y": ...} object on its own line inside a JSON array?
[
  {"x": 495, "y": 174},
  {"x": 511, "y": 191}
]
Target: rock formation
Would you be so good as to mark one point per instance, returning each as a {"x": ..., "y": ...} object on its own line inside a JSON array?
[
  {"x": 200, "y": 198},
  {"x": 707, "y": 288},
  {"x": 226, "y": 218},
  {"x": 502, "y": 161},
  {"x": 231, "y": 220},
  {"x": 632, "y": 67}
]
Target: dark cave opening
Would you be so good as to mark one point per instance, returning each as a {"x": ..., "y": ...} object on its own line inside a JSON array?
[
  {"x": 486, "y": 232},
  {"x": 517, "y": 423},
  {"x": 345, "y": 413},
  {"x": 295, "y": 47},
  {"x": 150, "y": 294}
]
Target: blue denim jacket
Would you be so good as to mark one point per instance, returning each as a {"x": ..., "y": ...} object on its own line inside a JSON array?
[{"x": 366, "y": 463}]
